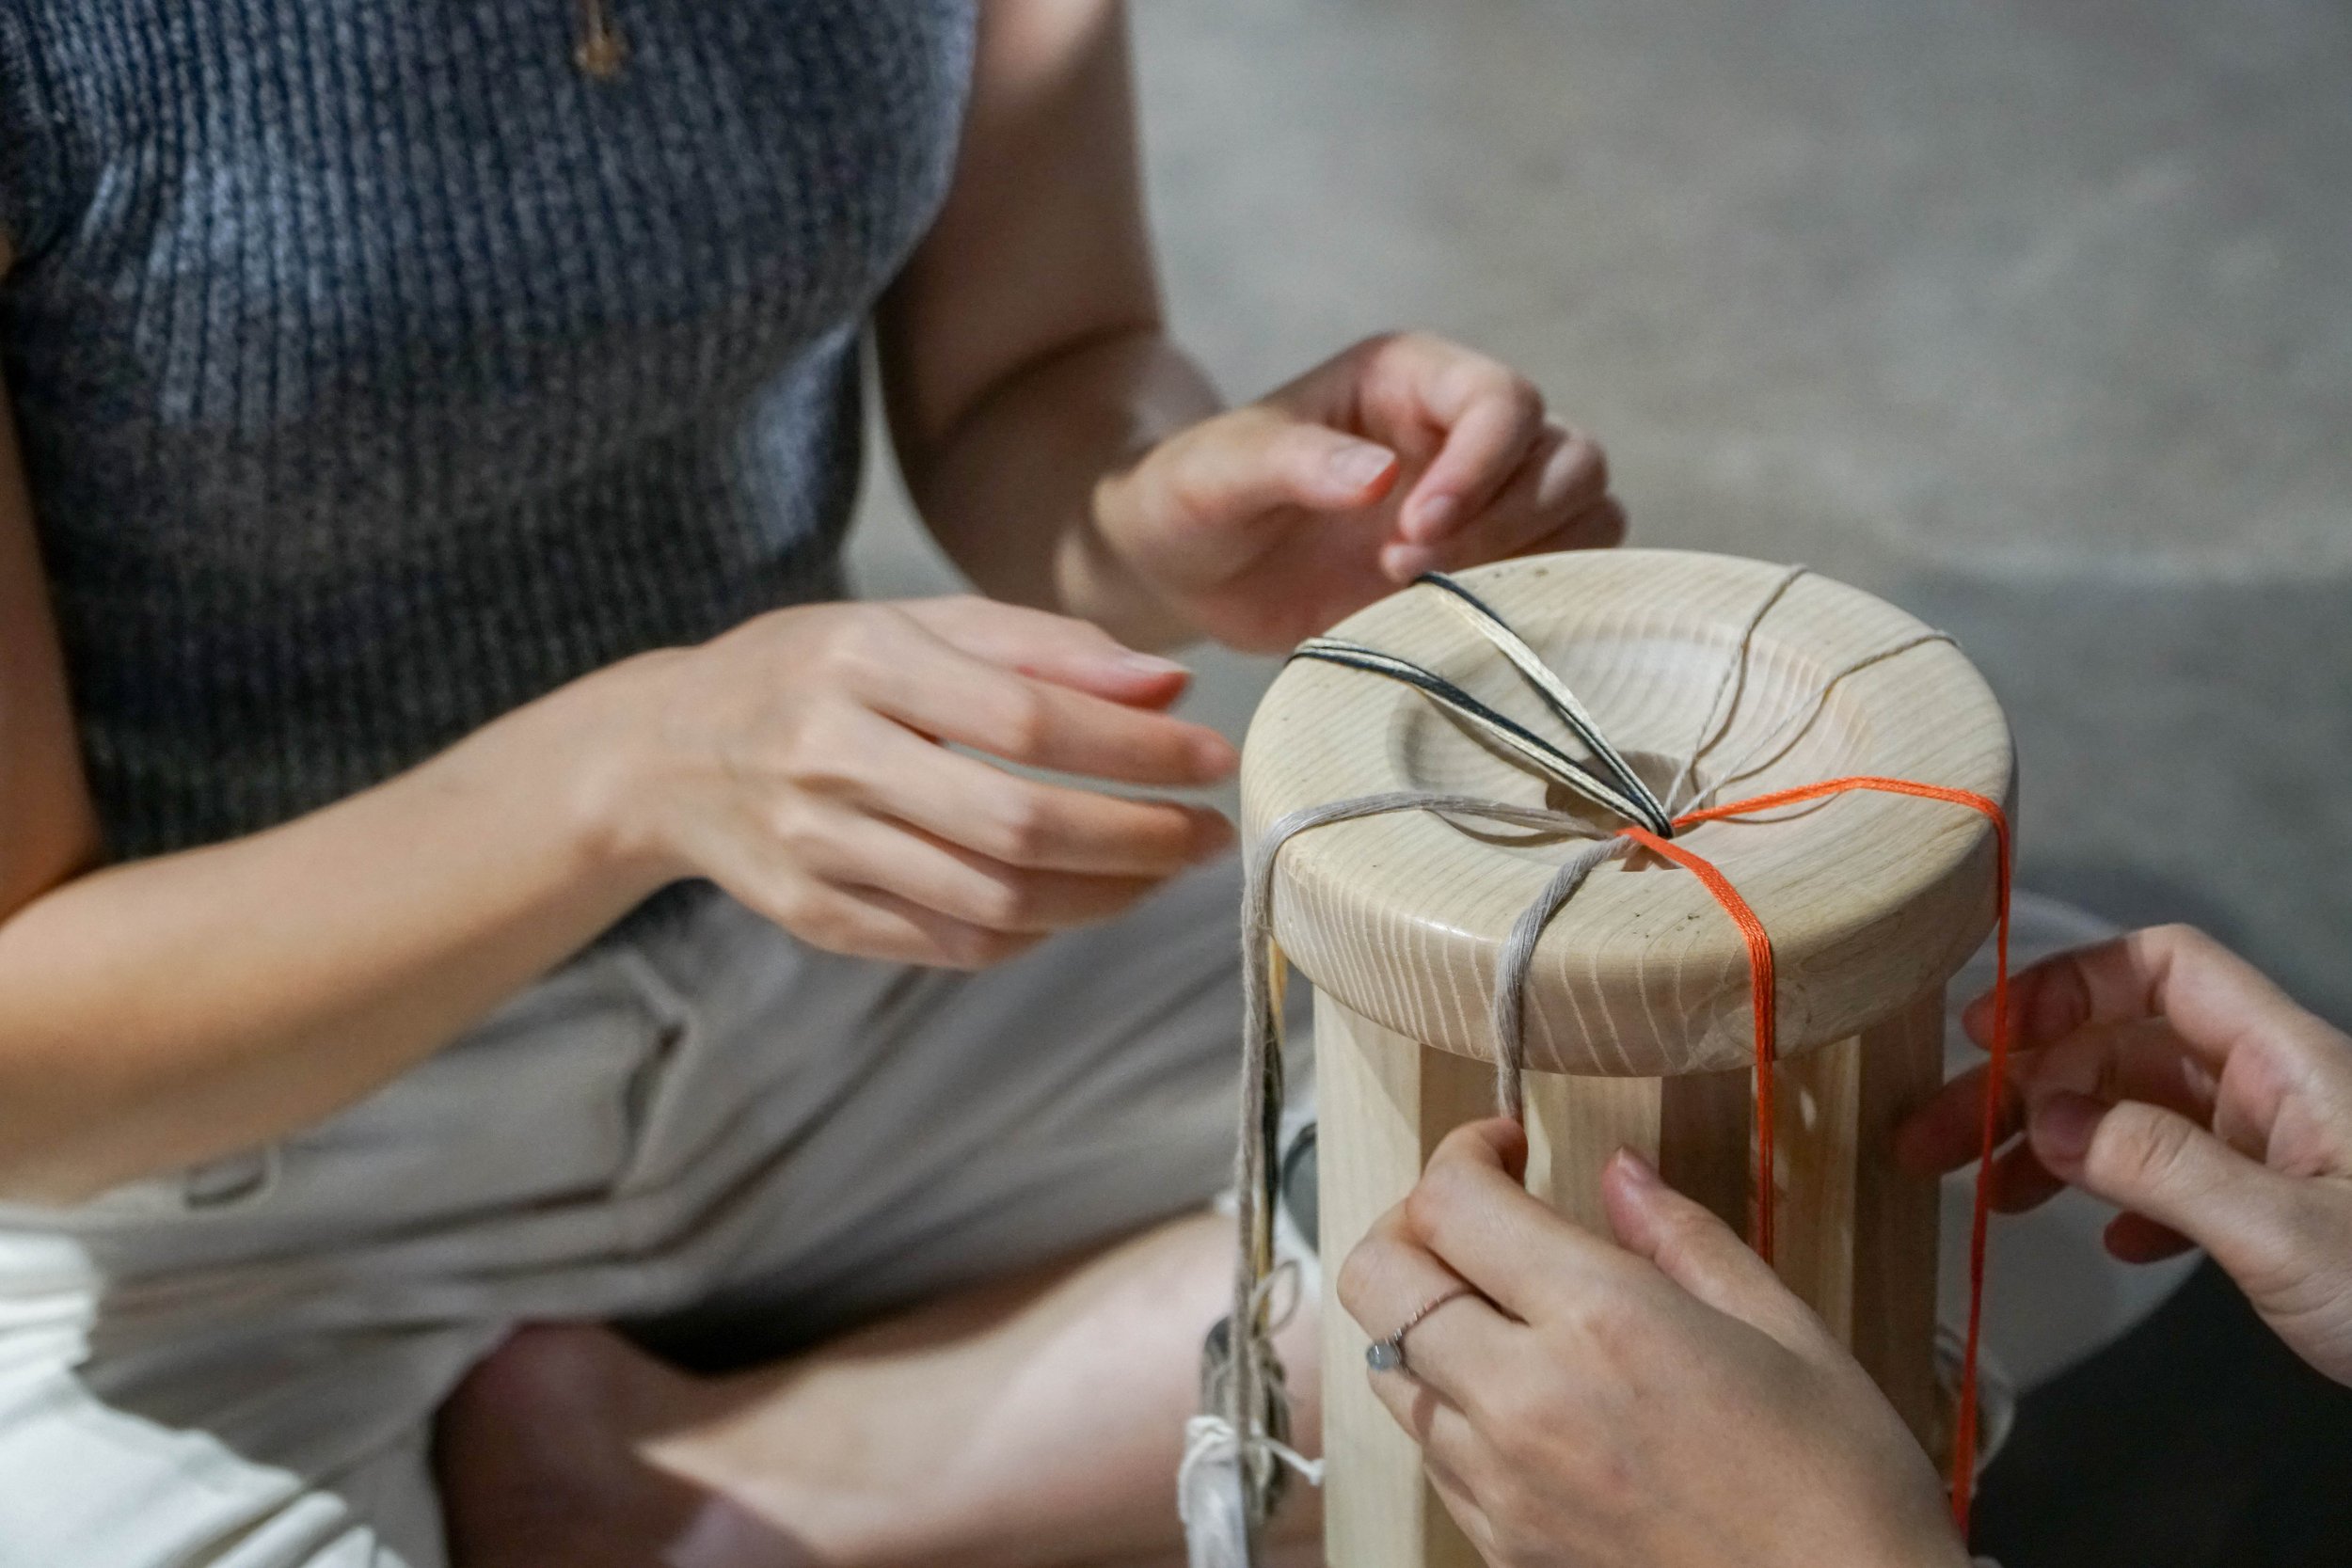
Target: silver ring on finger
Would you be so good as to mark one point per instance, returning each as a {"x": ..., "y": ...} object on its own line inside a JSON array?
[{"x": 1388, "y": 1355}]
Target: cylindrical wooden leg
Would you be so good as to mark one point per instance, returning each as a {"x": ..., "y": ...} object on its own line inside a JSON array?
[
  {"x": 1692, "y": 1128},
  {"x": 1896, "y": 1247},
  {"x": 1856, "y": 1238},
  {"x": 1384, "y": 1102}
]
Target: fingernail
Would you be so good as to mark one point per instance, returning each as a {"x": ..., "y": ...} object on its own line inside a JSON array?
[
  {"x": 1214, "y": 757},
  {"x": 1638, "y": 1170},
  {"x": 1215, "y": 841},
  {"x": 2063, "y": 1124},
  {"x": 1132, "y": 663},
  {"x": 1358, "y": 463},
  {"x": 1404, "y": 562},
  {"x": 1430, "y": 517}
]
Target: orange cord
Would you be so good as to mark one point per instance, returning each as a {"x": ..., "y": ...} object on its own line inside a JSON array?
[
  {"x": 1761, "y": 993},
  {"x": 1763, "y": 985}
]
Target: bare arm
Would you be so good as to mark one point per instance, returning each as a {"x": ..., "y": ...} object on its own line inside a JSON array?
[
  {"x": 1069, "y": 455},
  {"x": 159, "y": 1012},
  {"x": 162, "y": 1012},
  {"x": 1029, "y": 323}
]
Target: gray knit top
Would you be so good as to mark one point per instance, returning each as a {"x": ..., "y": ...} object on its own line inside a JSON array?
[{"x": 376, "y": 372}]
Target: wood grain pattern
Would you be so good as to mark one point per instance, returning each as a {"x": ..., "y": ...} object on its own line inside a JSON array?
[
  {"x": 1639, "y": 1032},
  {"x": 1871, "y": 899},
  {"x": 1393, "y": 1101},
  {"x": 1896, "y": 1216},
  {"x": 1814, "y": 1107},
  {"x": 1575, "y": 1124}
]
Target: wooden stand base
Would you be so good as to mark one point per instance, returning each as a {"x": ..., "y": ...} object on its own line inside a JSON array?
[{"x": 1856, "y": 1238}]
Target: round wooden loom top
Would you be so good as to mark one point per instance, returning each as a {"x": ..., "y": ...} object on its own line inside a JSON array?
[{"x": 1870, "y": 897}]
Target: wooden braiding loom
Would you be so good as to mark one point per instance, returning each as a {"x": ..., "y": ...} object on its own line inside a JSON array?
[{"x": 1637, "y": 1026}]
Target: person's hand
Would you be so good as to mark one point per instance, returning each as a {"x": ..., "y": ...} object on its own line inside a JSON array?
[
  {"x": 1665, "y": 1402},
  {"x": 1404, "y": 455},
  {"x": 798, "y": 762},
  {"x": 2164, "y": 1073}
]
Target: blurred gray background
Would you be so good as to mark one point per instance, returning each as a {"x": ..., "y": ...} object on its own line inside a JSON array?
[
  {"x": 2037, "y": 319},
  {"x": 2034, "y": 318}
]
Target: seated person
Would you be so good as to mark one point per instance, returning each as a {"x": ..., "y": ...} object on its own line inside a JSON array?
[
  {"x": 470, "y": 881},
  {"x": 1663, "y": 1401}
]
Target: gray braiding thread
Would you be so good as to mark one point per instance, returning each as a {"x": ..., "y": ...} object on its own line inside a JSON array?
[
  {"x": 1248, "y": 1371},
  {"x": 1507, "y": 1006},
  {"x": 1777, "y": 741},
  {"x": 1711, "y": 728}
]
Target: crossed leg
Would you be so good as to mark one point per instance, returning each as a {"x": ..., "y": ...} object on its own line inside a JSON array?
[{"x": 1035, "y": 1422}]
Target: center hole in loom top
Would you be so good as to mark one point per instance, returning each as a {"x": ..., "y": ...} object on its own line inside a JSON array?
[
  {"x": 1649, "y": 692},
  {"x": 1654, "y": 768}
]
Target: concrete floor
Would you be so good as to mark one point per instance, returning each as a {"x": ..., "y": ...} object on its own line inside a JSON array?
[
  {"x": 2035, "y": 319},
  {"x": 2038, "y": 320}
]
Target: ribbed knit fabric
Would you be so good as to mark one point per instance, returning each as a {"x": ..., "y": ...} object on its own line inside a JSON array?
[{"x": 376, "y": 372}]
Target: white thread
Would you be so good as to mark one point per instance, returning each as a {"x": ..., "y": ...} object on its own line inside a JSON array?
[
  {"x": 1563, "y": 702},
  {"x": 1208, "y": 1440},
  {"x": 1542, "y": 754},
  {"x": 1210, "y": 1498}
]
